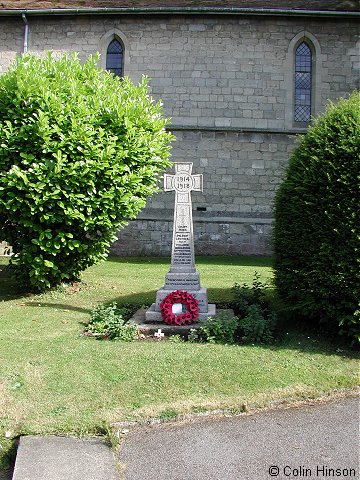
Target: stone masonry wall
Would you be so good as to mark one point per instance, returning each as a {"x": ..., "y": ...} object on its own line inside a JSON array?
[
  {"x": 227, "y": 84},
  {"x": 233, "y": 215},
  {"x": 210, "y": 71}
]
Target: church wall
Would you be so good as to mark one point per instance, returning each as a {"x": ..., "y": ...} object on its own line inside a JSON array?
[
  {"x": 214, "y": 71},
  {"x": 226, "y": 82},
  {"x": 233, "y": 215}
]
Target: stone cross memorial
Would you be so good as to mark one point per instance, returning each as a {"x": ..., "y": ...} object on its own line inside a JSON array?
[{"x": 182, "y": 274}]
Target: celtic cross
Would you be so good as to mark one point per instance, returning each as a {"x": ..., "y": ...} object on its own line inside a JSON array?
[{"x": 183, "y": 182}]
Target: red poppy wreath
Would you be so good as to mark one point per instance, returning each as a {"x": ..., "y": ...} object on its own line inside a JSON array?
[{"x": 187, "y": 300}]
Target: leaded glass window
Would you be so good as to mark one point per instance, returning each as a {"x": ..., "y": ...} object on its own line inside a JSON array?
[
  {"x": 303, "y": 82},
  {"x": 114, "y": 58}
]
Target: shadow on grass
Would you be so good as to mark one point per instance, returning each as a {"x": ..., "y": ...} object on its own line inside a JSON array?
[
  {"x": 289, "y": 335},
  {"x": 141, "y": 299},
  {"x": 57, "y": 306},
  {"x": 215, "y": 295},
  {"x": 8, "y": 287},
  {"x": 220, "y": 295},
  {"x": 296, "y": 339},
  {"x": 236, "y": 261},
  {"x": 10, "y": 291},
  {"x": 8, "y": 473},
  {"x": 8, "y": 460}
]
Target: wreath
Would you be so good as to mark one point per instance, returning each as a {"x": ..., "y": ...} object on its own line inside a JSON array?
[{"x": 186, "y": 299}]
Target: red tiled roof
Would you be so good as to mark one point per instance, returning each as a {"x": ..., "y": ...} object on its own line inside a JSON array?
[{"x": 316, "y": 5}]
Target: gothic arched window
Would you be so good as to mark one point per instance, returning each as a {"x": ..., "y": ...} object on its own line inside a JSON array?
[
  {"x": 115, "y": 57},
  {"x": 303, "y": 83}
]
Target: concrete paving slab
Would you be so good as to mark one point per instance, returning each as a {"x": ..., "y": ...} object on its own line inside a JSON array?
[
  {"x": 310, "y": 442},
  {"x": 64, "y": 458}
]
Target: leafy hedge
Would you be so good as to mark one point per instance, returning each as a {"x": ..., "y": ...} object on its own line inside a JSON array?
[
  {"x": 317, "y": 222},
  {"x": 80, "y": 152}
]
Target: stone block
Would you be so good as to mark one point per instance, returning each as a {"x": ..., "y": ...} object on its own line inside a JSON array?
[
  {"x": 258, "y": 164},
  {"x": 59, "y": 458},
  {"x": 153, "y": 316},
  {"x": 153, "y": 313},
  {"x": 182, "y": 281}
]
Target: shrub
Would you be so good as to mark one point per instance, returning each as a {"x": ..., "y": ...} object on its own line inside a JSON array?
[
  {"x": 219, "y": 330},
  {"x": 254, "y": 322},
  {"x": 257, "y": 328},
  {"x": 257, "y": 320},
  {"x": 245, "y": 296},
  {"x": 107, "y": 321},
  {"x": 80, "y": 152},
  {"x": 317, "y": 227}
]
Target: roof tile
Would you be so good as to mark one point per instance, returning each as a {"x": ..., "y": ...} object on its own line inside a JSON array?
[{"x": 316, "y": 5}]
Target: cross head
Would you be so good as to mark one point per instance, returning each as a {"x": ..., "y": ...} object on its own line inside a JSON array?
[{"x": 183, "y": 182}]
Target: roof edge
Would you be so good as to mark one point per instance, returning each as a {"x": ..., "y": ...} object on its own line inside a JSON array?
[{"x": 180, "y": 10}]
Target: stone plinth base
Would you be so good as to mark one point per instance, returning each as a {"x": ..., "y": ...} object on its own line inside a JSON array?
[
  {"x": 153, "y": 316},
  {"x": 200, "y": 295},
  {"x": 188, "y": 281},
  {"x": 148, "y": 329}
]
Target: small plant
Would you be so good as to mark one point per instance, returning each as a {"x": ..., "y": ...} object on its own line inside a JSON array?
[
  {"x": 168, "y": 414},
  {"x": 246, "y": 296},
  {"x": 107, "y": 321},
  {"x": 252, "y": 306},
  {"x": 254, "y": 321},
  {"x": 176, "y": 338},
  {"x": 193, "y": 336},
  {"x": 256, "y": 327},
  {"x": 219, "y": 330}
]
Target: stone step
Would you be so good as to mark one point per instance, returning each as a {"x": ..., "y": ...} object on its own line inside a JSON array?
[
  {"x": 64, "y": 458},
  {"x": 148, "y": 329}
]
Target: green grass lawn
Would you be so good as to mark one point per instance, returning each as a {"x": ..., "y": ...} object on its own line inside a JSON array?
[{"x": 53, "y": 380}]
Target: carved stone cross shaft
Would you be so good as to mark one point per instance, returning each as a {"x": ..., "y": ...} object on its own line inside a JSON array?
[
  {"x": 183, "y": 182},
  {"x": 182, "y": 274}
]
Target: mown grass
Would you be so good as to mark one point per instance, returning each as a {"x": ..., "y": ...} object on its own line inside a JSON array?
[{"x": 53, "y": 380}]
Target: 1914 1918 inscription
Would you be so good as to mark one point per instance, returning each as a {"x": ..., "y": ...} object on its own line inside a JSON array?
[{"x": 183, "y": 183}]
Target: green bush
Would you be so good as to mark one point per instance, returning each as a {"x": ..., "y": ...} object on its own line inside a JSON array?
[
  {"x": 245, "y": 296},
  {"x": 317, "y": 223},
  {"x": 218, "y": 330},
  {"x": 256, "y": 327},
  {"x": 80, "y": 152},
  {"x": 107, "y": 321},
  {"x": 257, "y": 320}
]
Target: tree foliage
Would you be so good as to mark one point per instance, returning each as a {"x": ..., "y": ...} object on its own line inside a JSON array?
[
  {"x": 317, "y": 222},
  {"x": 80, "y": 152}
]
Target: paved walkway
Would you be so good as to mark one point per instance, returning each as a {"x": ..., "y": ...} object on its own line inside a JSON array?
[{"x": 309, "y": 442}]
